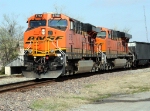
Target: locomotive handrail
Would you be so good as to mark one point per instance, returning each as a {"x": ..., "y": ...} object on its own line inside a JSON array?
[
  {"x": 63, "y": 54},
  {"x": 133, "y": 56},
  {"x": 58, "y": 48},
  {"x": 103, "y": 56},
  {"x": 130, "y": 50}
]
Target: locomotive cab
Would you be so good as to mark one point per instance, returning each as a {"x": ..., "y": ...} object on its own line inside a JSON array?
[{"x": 44, "y": 45}]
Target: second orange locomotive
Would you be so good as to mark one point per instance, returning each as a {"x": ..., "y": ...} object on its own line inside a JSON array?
[{"x": 57, "y": 45}]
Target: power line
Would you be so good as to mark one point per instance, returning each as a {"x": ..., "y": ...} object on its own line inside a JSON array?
[{"x": 145, "y": 24}]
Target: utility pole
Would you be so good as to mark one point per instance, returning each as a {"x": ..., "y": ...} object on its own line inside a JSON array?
[{"x": 145, "y": 24}]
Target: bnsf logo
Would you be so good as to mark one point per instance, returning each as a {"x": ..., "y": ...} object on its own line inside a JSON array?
[{"x": 36, "y": 38}]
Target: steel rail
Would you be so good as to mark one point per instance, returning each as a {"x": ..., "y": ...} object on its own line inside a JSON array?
[{"x": 22, "y": 86}]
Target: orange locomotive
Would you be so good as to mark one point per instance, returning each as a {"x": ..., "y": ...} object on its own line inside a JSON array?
[{"x": 57, "y": 45}]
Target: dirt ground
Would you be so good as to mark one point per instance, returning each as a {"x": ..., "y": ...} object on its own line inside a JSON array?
[
  {"x": 128, "y": 93},
  {"x": 130, "y": 102},
  {"x": 88, "y": 96}
]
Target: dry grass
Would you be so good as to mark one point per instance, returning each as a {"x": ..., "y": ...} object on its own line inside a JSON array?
[{"x": 95, "y": 91}]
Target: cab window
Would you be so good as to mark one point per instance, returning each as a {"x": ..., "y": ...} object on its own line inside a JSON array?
[
  {"x": 37, "y": 23},
  {"x": 58, "y": 24},
  {"x": 101, "y": 34}
]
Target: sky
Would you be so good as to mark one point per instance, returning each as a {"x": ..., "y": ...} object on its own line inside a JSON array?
[{"x": 112, "y": 14}]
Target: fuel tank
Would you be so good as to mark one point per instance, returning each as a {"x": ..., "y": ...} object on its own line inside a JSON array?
[
  {"x": 119, "y": 63},
  {"x": 85, "y": 66}
]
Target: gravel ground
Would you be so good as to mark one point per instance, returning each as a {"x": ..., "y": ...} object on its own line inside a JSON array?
[
  {"x": 20, "y": 101},
  {"x": 8, "y": 80}
]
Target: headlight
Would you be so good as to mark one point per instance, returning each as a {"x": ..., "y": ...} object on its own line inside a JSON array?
[
  {"x": 30, "y": 50},
  {"x": 58, "y": 55},
  {"x": 52, "y": 51},
  {"x": 43, "y": 31}
]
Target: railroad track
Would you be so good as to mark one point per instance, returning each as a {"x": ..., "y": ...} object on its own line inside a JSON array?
[
  {"x": 30, "y": 84},
  {"x": 23, "y": 86}
]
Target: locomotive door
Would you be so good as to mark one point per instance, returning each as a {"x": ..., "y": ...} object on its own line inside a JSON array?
[
  {"x": 71, "y": 44},
  {"x": 118, "y": 47},
  {"x": 108, "y": 47},
  {"x": 90, "y": 45},
  {"x": 84, "y": 45}
]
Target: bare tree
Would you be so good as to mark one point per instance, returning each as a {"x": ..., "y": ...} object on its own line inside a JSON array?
[
  {"x": 59, "y": 9},
  {"x": 115, "y": 27},
  {"x": 10, "y": 34},
  {"x": 126, "y": 30},
  {"x": 62, "y": 9}
]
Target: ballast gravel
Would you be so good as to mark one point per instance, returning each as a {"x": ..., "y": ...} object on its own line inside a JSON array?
[
  {"x": 10, "y": 80},
  {"x": 20, "y": 101}
]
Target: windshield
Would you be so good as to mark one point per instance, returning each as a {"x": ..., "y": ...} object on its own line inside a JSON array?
[
  {"x": 101, "y": 34},
  {"x": 37, "y": 23},
  {"x": 59, "y": 24}
]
